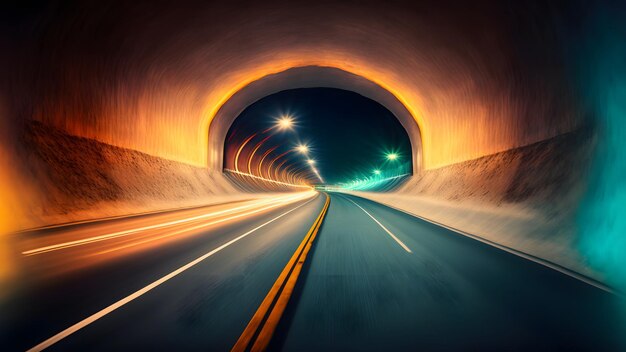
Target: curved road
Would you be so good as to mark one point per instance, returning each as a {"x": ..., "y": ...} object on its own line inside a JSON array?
[{"x": 375, "y": 279}]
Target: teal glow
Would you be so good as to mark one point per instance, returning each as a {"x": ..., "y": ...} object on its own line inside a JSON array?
[
  {"x": 602, "y": 214},
  {"x": 382, "y": 179}
]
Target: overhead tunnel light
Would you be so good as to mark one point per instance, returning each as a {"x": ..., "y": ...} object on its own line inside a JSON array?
[
  {"x": 303, "y": 149},
  {"x": 285, "y": 122}
]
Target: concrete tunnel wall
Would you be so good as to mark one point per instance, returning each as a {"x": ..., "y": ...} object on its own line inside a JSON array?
[
  {"x": 150, "y": 91},
  {"x": 307, "y": 77},
  {"x": 152, "y": 79}
]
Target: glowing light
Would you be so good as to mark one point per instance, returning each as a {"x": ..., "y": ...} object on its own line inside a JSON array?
[
  {"x": 373, "y": 183},
  {"x": 311, "y": 162},
  {"x": 285, "y": 122},
  {"x": 392, "y": 156},
  {"x": 240, "y": 149},
  {"x": 376, "y": 172},
  {"x": 266, "y": 179},
  {"x": 169, "y": 224},
  {"x": 302, "y": 149}
]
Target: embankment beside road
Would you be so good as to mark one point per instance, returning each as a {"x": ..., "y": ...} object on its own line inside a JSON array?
[{"x": 525, "y": 198}]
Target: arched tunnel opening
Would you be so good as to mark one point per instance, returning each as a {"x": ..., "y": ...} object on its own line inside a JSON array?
[
  {"x": 325, "y": 138},
  {"x": 313, "y": 175}
]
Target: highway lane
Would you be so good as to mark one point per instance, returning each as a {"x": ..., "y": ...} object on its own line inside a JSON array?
[
  {"x": 206, "y": 306},
  {"x": 363, "y": 290},
  {"x": 375, "y": 279}
]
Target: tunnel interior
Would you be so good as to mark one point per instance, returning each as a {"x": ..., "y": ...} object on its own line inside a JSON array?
[
  {"x": 317, "y": 136},
  {"x": 112, "y": 108}
]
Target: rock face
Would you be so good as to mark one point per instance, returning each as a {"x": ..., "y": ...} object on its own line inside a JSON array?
[
  {"x": 79, "y": 178},
  {"x": 548, "y": 172}
]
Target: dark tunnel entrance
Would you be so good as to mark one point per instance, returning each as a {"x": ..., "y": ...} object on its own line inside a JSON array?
[{"x": 317, "y": 136}]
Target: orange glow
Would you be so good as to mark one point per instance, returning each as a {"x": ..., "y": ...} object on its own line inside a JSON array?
[
  {"x": 260, "y": 169},
  {"x": 239, "y": 151},
  {"x": 455, "y": 125},
  {"x": 256, "y": 148},
  {"x": 290, "y": 183},
  {"x": 269, "y": 167},
  {"x": 162, "y": 225},
  {"x": 434, "y": 154},
  {"x": 278, "y": 169},
  {"x": 87, "y": 245},
  {"x": 10, "y": 216}
]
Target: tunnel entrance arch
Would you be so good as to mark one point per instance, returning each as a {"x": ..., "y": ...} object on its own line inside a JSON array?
[{"x": 307, "y": 77}]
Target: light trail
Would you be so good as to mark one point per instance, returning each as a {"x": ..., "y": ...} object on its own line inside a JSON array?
[
  {"x": 240, "y": 149},
  {"x": 295, "y": 172},
  {"x": 254, "y": 152},
  {"x": 267, "y": 180},
  {"x": 113, "y": 307},
  {"x": 278, "y": 170},
  {"x": 281, "y": 200},
  {"x": 193, "y": 228},
  {"x": 265, "y": 155},
  {"x": 269, "y": 168}
]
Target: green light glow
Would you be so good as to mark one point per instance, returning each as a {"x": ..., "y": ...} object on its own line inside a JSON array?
[{"x": 392, "y": 156}]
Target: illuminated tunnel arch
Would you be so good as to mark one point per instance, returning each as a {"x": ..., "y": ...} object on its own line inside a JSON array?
[{"x": 307, "y": 77}]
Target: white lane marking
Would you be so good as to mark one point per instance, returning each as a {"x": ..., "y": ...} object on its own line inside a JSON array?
[
  {"x": 83, "y": 323},
  {"x": 151, "y": 227},
  {"x": 383, "y": 227},
  {"x": 518, "y": 253}
]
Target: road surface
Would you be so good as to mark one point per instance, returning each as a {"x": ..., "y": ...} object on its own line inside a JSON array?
[{"x": 374, "y": 279}]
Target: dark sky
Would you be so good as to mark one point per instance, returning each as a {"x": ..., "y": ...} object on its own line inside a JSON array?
[{"x": 348, "y": 133}]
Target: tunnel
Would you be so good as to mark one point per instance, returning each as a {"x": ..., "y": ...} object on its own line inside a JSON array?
[
  {"x": 308, "y": 77},
  {"x": 132, "y": 132},
  {"x": 294, "y": 135},
  {"x": 299, "y": 78}
]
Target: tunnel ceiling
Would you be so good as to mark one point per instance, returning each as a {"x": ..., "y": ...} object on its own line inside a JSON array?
[{"x": 152, "y": 78}]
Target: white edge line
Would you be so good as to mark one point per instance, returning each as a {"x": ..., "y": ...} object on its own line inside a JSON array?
[
  {"x": 532, "y": 258},
  {"x": 384, "y": 228},
  {"x": 83, "y": 323}
]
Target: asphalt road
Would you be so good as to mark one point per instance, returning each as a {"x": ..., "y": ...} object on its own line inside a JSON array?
[
  {"x": 375, "y": 279},
  {"x": 204, "y": 308},
  {"x": 364, "y": 291}
]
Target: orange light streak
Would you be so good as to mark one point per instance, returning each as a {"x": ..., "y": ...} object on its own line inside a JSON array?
[
  {"x": 269, "y": 168},
  {"x": 201, "y": 226},
  {"x": 263, "y": 159},
  {"x": 118, "y": 234},
  {"x": 240, "y": 149},
  {"x": 267, "y": 180},
  {"x": 254, "y": 152},
  {"x": 278, "y": 169}
]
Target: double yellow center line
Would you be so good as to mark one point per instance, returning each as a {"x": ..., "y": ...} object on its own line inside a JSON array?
[{"x": 260, "y": 329}]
